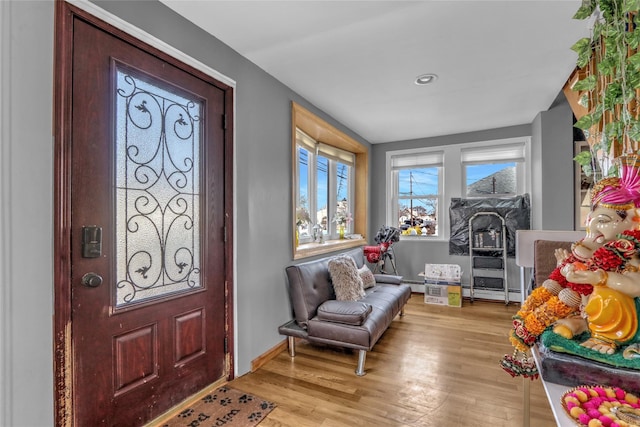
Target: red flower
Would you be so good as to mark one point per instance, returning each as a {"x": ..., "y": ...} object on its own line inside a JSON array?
[
  {"x": 606, "y": 259},
  {"x": 581, "y": 288},
  {"x": 634, "y": 234},
  {"x": 527, "y": 338}
]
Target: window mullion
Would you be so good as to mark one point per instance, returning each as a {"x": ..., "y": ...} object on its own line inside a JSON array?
[
  {"x": 351, "y": 197},
  {"x": 313, "y": 188},
  {"x": 395, "y": 197},
  {"x": 332, "y": 204}
]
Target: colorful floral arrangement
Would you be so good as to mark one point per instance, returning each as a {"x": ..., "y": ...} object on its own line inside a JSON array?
[
  {"x": 597, "y": 406},
  {"x": 614, "y": 255},
  {"x": 555, "y": 299}
]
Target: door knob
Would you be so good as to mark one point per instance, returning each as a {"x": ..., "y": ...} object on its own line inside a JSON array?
[{"x": 92, "y": 280}]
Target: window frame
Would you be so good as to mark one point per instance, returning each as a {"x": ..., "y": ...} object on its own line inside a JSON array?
[
  {"x": 453, "y": 179},
  {"x": 319, "y": 130},
  {"x": 335, "y": 157},
  {"x": 435, "y": 160}
]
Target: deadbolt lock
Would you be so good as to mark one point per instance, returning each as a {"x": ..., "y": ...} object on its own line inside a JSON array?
[{"x": 92, "y": 280}]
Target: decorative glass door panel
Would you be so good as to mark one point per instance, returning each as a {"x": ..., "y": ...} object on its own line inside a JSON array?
[{"x": 157, "y": 189}]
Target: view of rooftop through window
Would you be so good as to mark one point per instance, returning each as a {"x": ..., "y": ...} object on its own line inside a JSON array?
[{"x": 491, "y": 179}]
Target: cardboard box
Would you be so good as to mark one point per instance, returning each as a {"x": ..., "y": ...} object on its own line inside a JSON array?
[
  {"x": 438, "y": 294},
  {"x": 442, "y": 284},
  {"x": 454, "y": 294},
  {"x": 442, "y": 273}
]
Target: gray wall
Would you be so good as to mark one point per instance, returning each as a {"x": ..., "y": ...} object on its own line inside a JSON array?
[
  {"x": 552, "y": 145},
  {"x": 26, "y": 256},
  {"x": 553, "y": 179},
  {"x": 263, "y": 194}
]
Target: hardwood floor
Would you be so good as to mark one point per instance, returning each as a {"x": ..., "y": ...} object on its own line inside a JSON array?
[{"x": 436, "y": 366}]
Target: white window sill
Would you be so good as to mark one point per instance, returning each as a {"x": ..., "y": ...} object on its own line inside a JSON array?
[
  {"x": 422, "y": 238},
  {"x": 311, "y": 249}
]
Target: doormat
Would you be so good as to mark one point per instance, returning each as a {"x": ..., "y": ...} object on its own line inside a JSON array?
[{"x": 224, "y": 406}]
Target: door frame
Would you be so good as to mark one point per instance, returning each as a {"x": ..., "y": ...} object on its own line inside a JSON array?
[{"x": 65, "y": 10}]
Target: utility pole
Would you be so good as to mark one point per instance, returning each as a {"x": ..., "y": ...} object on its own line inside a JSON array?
[
  {"x": 340, "y": 178},
  {"x": 411, "y": 196}
]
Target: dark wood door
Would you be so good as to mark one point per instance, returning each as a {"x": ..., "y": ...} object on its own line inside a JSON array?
[{"x": 149, "y": 318}]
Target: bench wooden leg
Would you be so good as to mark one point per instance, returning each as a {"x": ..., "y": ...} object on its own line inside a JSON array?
[
  {"x": 292, "y": 346},
  {"x": 362, "y": 355},
  {"x": 402, "y": 311}
]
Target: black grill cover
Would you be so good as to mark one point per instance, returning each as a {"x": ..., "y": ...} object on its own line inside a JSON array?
[{"x": 516, "y": 212}]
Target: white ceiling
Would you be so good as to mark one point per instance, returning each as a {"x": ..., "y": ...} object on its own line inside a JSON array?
[{"x": 499, "y": 62}]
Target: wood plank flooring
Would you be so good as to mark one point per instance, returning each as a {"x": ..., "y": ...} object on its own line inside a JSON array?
[{"x": 436, "y": 366}]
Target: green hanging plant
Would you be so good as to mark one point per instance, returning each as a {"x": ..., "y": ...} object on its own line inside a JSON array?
[
  {"x": 585, "y": 160},
  {"x": 609, "y": 65}
]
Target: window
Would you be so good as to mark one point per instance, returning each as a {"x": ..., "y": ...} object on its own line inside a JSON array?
[
  {"x": 496, "y": 171},
  {"x": 329, "y": 181},
  {"x": 324, "y": 189},
  {"x": 416, "y": 181}
]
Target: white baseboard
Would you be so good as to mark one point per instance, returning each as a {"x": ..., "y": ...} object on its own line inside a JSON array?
[{"x": 514, "y": 294}]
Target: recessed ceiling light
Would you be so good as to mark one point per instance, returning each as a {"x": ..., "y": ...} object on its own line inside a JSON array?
[{"x": 425, "y": 79}]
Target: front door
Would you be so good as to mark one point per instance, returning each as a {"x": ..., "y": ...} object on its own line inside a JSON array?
[{"x": 147, "y": 208}]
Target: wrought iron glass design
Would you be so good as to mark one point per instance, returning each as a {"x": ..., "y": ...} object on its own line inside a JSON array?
[{"x": 157, "y": 190}]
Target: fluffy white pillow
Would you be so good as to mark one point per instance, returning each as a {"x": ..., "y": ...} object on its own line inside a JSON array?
[
  {"x": 368, "y": 279},
  {"x": 347, "y": 283}
]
